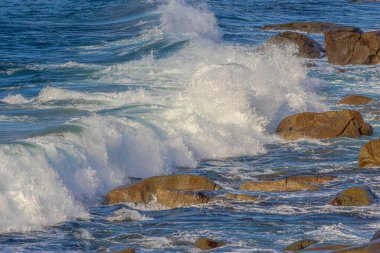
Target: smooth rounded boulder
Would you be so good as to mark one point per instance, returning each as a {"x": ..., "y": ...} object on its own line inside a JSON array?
[
  {"x": 324, "y": 125},
  {"x": 306, "y": 46},
  {"x": 309, "y": 27},
  {"x": 204, "y": 243},
  {"x": 350, "y": 45},
  {"x": 354, "y": 196},
  {"x": 354, "y": 100},
  {"x": 146, "y": 190},
  {"x": 369, "y": 155}
]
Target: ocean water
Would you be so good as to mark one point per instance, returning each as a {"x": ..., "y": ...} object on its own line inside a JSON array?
[{"x": 96, "y": 94}]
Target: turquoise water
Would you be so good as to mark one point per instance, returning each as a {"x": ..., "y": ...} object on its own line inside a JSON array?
[{"x": 96, "y": 94}]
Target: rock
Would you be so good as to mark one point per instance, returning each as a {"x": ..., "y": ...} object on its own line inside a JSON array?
[
  {"x": 311, "y": 179},
  {"x": 204, "y": 243},
  {"x": 369, "y": 155},
  {"x": 354, "y": 196},
  {"x": 325, "y": 247},
  {"x": 244, "y": 197},
  {"x": 146, "y": 190},
  {"x": 179, "y": 198},
  {"x": 324, "y": 125},
  {"x": 376, "y": 236},
  {"x": 370, "y": 247},
  {"x": 282, "y": 185},
  {"x": 354, "y": 100},
  {"x": 129, "y": 250},
  {"x": 350, "y": 45},
  {"x": 306, "y": 46},
  {"x": 300, "y": 245},
  {"x": 309, "y": 27}
]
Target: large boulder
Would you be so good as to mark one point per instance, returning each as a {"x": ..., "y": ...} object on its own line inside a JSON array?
[
  {"x": 309, "y": 27},
  {"x": 146, "y": 190},
  {"x": 354, "y": 196},
  {"x": 370, "y": 247},
  {"x": 204, "y": 243},
  {"x": 306, "y": 46},
  {"x": 354, "y": 100},
  {"x": 300, "y": 245},
  {"x": 369, "y": 155},
  {"x": 179, "y": 198},
  {"x": 350, "y": 45},
  {"x": 324, "y": 125}
]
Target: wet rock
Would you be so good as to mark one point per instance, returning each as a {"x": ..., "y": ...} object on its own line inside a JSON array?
[
  {"x": 282, "y": 185},
  {"x": 324, "y": 125},
  {"x": 350, "y": 45},
  {"x": 370, "y": 247},
  {"x": 300, "y": 245},
  {"x": 311, "y": 179},
  {"x": 129, "y": 250},
  {"x": 244, "y": 197},
  {"x": 146, "y": 190},
  {"x": 369, "y": 155},
  {"x": 204, "y": 243},
  {"x": 306, "y": 46},
  {"x": 355, "y": 100},
  {"x": 179, "y": 198},
  {"x": 354, "y": 196},
  {"x": 309, "y": 27},
  {"x": 326, "y": 247},
  {"x": 376, "y": 236}
]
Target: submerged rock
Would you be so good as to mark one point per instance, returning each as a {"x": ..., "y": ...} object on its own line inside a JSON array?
[
  {"x": 309, "y": 27},
  {"x": 350, "y": 45},
  {"x": 244, "y": 197},
  {"x": 282, "y": 185},
  {"x": 146, "y": 190},
  {"x": 370, "y": 247},
  {"x": 369, "y": 155},
  {"x": 354, "y": 100},
  {"x": 129, "y": 250},
  {"x": 300, "y": 245},
  {"x": 312, "y": 179},
  {"x": 354, "y": 196},
  {"x": 324, "y": 125},
  {"x": 204, "y": 243},
  {"x": 326, "y": 247},
  {"x": 306, "y": 46}
]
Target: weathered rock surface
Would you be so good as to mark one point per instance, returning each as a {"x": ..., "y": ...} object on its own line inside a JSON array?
[
  {"x": 369, "y": 155},
  {"x": 350, "y": 45},
  {"x": 306, "y": 46},
  {"x": 300, "y": 245},
  {"x": 277, "y": 186},
  {"x": 129, "y": 250},
  {"x": 355, "y": 100},
  {"x": 324, "y": 125},
  {"x": 146, "y": 190},
  {"x": 244, "y": 197},
  {"x": 326, "y": 247},
  {"x": 311, "y": 179},
  {"x": 179, "y": 198},
  {"x": 204, "y": 243},
  {"x": 354, "y": 196},
  {"x": 309, "y": 27},
  {"x": 370, "y": 247}
]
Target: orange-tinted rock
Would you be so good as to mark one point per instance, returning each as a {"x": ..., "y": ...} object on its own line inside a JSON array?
[
  {"x": 309, "y": 27},
  {"x": 300, "y": 245},
  {"x": 244, "y": 197},
  {"x": 354, "y": 196},
  {"x": 369, "y": 155},
  {"x": 311, "y": 179},
  {"x": 324, "y": 125},
  {"x": 129, "y": 250},
  {"x": 179, "y": 198},
  {"x": 204, "y": 243},
  {"x": 277, "y": 186},
  {"x": 326, "y": 247},
  {"x": 355, "y": 100},
  {"x": 370, "y": 247}
]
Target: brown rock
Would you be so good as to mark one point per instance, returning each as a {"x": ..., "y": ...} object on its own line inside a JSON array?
[
  {"x": 324, "y": 125},
  {"x": 204, "y": 243},
  {"x": 277, "y": 186},
  {"x": 350, "y": 45},
  {"x": 354, "y": 100},
  {"x": 354, "y": 196},
  {"x": 129, "y": 250},
  {"x": 328, "y": 247},
  {"x": 311, "y": 179},
  {"x": 370, "y": 247},
  {"x": 300, "y": 245},
  {"x": 244, "y": 197},
  {"x": 309, "y": 27},
  {"x": 179, "y": 198},
  {"x": 369, "y": 155},
  {"x": 146, "y": 190},
  {"x": 306, "y": 46}
]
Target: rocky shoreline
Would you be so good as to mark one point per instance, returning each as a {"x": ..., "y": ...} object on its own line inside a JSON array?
[{"x": 181, "y": 190}]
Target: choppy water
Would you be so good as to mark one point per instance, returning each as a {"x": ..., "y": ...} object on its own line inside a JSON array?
[{"x": 96, "y": 93}]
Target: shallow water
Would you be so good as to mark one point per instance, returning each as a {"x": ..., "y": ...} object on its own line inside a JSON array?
[{"x": 96, "y": 94}]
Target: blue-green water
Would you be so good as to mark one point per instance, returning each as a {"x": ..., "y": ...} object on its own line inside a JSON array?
[{"x": 95, "y": 94}]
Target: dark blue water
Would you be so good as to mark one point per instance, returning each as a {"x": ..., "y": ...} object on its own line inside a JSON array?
[{"x": 95, "y": 93}]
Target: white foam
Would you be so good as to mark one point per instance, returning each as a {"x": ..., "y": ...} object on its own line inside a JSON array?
[{"x": 15, "y": 99}]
